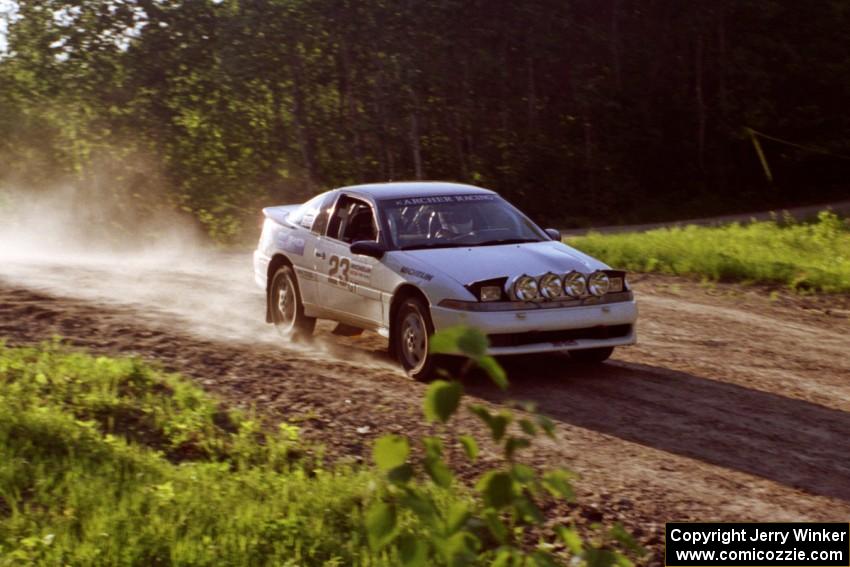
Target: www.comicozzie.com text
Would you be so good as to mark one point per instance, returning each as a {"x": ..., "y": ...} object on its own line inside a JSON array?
[{"x": 726, "y": 536}]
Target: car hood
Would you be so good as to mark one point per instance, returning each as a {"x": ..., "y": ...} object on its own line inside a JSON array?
[{"x": 477, "y": 263}]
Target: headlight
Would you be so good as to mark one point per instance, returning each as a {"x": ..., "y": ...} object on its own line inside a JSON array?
[
  {"x": 550, "y": 286},
  {"x": 598, "y": 283},
  {"x": 574, "y": 284},
  {"x": 525, "y": 288},
  {"x": 491, "y": 293}
]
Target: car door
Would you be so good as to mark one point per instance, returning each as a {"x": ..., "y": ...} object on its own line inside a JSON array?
[{"x": 346, "y": 281}]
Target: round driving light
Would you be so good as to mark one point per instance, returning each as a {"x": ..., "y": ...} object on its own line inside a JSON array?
[
  {"x": 574, "y": 284},
  {"x": 526, "y": 289},
  {"x": 550, "y": 286},
  {"x": 598, "y": 283}
]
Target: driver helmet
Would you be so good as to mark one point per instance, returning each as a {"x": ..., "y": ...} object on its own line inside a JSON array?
[{"x": 457, "y": 219}]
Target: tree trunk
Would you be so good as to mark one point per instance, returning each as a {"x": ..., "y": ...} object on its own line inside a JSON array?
[
  {"x": 458, "y": 139},
  {"x": 615, "y": 43},
  {"x": 532, "y": 95},
  {"x": 414, "y": 143},
  {"x": 722, "y": 89},
  {"x": 722, "y": 154},
  {"x": 590, "y": 176},
  {"x": 278, "y": 142},
  {"x": 299, "y": 114},
  {"x": 700, "y": 104}
]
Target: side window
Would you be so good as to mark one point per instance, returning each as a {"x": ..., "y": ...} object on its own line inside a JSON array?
[
  {"x": 304, "y": 215},
  {"x": 324, "y": 212},
  {"x": 352, "y": 220},
  {"x": 336, "y": 221},
  {"x": 361, "y": 224}
]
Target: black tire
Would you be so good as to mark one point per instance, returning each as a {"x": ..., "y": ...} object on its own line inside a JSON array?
[
  {"x": 286, "y": 307},
  {"x": 592, "y": 355},
  {"x": 412, "y": 330}
]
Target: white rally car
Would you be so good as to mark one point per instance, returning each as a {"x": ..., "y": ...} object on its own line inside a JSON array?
[{"x": 409, "y": 259}]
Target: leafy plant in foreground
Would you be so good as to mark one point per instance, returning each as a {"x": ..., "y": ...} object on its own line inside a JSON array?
[{"x": 498, "y": 521}]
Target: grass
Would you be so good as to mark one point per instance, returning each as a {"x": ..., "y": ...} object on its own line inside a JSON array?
[
  {"x": 109, "y": 461},
  {"x": 808, "y": 257}
]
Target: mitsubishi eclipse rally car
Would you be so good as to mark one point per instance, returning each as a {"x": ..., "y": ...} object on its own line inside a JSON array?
[{"x": 408, "y": 259}]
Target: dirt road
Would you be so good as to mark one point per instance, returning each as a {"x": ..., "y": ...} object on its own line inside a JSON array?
[{"x": 734, "y": 406}]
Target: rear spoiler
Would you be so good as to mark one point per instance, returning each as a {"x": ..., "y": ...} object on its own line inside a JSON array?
[{"x": 280, "y": 214}]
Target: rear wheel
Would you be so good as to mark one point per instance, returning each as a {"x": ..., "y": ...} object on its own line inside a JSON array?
[
  {"x": 592, "y": 354},
  {"x": 412, "y": 330},
  {"x": 286, "y": 307}
]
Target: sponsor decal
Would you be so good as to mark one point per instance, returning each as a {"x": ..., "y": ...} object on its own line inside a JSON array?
[
  {"x": 342, "y": 284},
  {"x": 360, "y": 273},
  {"x": 291, "y": 243},
  {"x": 412, "y": 201},
  {"x": 306, "y": 274},
  {"x": 417, "y": 273},
  {"x": 307, "y": 220},
  {"x": 343, "y": 272}
]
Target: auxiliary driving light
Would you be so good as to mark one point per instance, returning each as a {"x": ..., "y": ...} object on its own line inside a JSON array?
[
  {"x": 575, "y": 285},
  {"x": 525, "y": 288},
  {"x": 617, "y": 285},
  {"x": 550, "y": 286},
  {"x": 598, "y": 283},
  {"x": 491, "y": 293}
]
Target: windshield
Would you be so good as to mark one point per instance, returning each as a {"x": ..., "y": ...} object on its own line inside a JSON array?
[{"x": 457, "y": 220}]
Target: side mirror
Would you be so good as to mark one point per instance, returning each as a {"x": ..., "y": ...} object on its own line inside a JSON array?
[
  {"x": 368, "y": 248},
  {"x": 553, "y": 233}
]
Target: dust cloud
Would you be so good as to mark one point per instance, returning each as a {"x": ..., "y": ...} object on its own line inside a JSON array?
[
  {"x": 91, "y": 221},
  {"x": 91, "y": 245}
]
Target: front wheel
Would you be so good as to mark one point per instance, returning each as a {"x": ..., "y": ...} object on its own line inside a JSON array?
[
  {"x": 592, "y": 354},
  {"x": 286, "y": 307},
  {"x": 412, "y": 330}
]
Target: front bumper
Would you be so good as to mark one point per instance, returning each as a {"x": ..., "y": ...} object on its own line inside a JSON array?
[{"x": 536, "y": 330}]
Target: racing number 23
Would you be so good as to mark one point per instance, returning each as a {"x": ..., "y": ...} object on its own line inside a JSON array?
[{"x": 339, "y": 266}]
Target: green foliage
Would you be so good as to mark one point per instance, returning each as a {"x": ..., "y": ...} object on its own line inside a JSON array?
[
  {"x": 803, "y": 256},
  {"x": 110, "y": 462},
  {"x": 497, "y": 488},
  {"x": 390, "y": 451},
  {"x": 472, "y": 343},
  {"x": 470, "y": 446},
  {"x": 497, "y": 423},
  {"x": 381, "y": 524},
  {"x": 442, "y": 399},
  {"x": 504, "y": 511}
]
